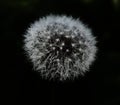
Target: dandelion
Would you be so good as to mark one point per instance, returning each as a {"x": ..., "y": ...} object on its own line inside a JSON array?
[{"x": 60, "y": 47}]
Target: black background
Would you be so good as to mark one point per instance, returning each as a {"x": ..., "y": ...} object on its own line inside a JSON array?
[{"x": 23, "y": 86}]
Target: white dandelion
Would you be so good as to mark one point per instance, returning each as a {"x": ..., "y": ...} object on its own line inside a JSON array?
[{"x": 60, "y": 47}]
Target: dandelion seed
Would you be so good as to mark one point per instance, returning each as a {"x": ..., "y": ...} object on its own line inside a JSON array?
[
  {"x": 73, "y": 44},
  {"x": 57, "y": 40},
  {"x": 67, "y": 50},
  {"x": 57, "y": 52},
  {"x": 80, "y": 49},
  {"x": 53, "y": 48},
  {"x": 43, "y": 44},
  {"x": 63, "y": 44},
  {"x": 75, "y": 55},
  {"x": 73, "y": 36},
  {"x": 80, "y": 42},
  {"x": 69, "y": 59},
  {"x": 61, "y": 48},
  {"x": 48, "y": 37},
  {"x": 57, "y": 60},
  {"x": 67, "y": 36},
  {"x": 50, "y": 45}
]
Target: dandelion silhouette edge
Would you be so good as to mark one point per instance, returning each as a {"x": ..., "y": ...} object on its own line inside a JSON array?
[{"x": 60, "y": 47}]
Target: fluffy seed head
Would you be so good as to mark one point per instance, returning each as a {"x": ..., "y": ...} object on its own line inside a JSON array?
[{"x": 60, "y": 47}]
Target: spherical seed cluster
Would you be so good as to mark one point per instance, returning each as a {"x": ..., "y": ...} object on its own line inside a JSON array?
[{"x": 60, "y": 47}]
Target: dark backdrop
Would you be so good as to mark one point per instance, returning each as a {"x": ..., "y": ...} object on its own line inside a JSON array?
[{"x": 23, "y": 86}]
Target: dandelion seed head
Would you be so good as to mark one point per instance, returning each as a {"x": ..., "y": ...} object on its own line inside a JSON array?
[{"x": 60, "y": 47}]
